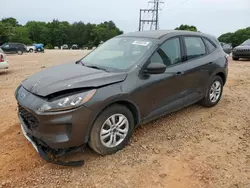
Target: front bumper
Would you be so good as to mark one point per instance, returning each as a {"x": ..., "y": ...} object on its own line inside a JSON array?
[
  {"x": 49, "y": 154},
  {"x": 239, "y": 54},
  {"x": 57, "y": 130}
]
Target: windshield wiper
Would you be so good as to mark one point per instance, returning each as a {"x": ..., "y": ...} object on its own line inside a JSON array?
[
  {"x": 79, "y": 61},
  {"x": 95, "y": 67}
]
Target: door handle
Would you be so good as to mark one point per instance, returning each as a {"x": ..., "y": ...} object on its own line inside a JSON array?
[{"x": 179, "y": 73}]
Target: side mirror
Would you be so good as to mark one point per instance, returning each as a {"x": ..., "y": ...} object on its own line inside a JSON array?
[{"x": 155, "y": 68}]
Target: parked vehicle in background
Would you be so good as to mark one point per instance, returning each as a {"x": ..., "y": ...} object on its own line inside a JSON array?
[
  {"x": 3, "y": 61},
  {"x": 39, "y": 48},
  {"x": 31, "y": 48},
  {"x": 74, "y": 47},
  {"x": 242, "y": 51},
  {"x": 65, "y": 47},
  {"x": 226, "y": 47},
  {"x": 129, "y": 80},
  {"x": 14, "y": 48}
]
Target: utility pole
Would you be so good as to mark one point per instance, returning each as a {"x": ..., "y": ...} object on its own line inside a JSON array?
[{"x": 154, "y": 14}]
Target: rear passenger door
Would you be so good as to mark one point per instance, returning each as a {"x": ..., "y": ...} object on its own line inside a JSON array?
[{"x": 198, "y": 65}]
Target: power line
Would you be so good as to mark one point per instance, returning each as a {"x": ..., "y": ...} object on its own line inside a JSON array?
[{"x": 154, "y": 11}]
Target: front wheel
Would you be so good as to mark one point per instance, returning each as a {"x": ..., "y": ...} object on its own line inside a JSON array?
[
  {"x": 214, "y": 92},
  {"x": 112, "y": 130},
  {"x": 31, "y": 50}
]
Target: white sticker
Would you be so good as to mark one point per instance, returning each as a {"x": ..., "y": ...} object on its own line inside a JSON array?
[{"x": 141, "y": 43}]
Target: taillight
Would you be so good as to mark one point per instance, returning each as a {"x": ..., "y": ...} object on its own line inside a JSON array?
[{"x": 1, "y": 58}]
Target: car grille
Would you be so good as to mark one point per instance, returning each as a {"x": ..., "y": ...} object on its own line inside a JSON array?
[
  {"x": 243, "y": 50},
  {"x": 30, "y": 121}
]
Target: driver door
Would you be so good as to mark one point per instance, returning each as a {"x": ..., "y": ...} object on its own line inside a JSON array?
[{"x": 159, "y": 94}]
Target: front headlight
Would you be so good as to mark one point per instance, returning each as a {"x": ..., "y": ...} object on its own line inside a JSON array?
[{"x": 69, "y": 102}]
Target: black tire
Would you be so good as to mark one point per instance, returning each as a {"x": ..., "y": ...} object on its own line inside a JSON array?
[
  {"x": 235, "y": 58},
  {"x": 31, "y": 50},
  {"x": 19, "y": 52},
  {"x": 95, "y": 141},
  {"x": 206, "y": 101}
]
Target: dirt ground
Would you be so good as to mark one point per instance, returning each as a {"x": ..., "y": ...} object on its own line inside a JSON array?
[{"x": 194, "y": 147}]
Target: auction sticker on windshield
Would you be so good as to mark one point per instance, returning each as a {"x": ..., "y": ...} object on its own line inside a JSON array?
[{"x": 141, "y": 43}]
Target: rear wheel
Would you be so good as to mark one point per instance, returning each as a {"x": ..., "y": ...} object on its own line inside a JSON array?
[
  {"x": 214, "y": 92},
  {"x": 31, "y": 50},
  {"x": 112, "y": 130},
  {"x": 19, "y": 52},
  {"x": 235, "y": 58}
]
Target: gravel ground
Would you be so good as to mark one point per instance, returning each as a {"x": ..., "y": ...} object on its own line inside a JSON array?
[{"x": 194, "y": 147}]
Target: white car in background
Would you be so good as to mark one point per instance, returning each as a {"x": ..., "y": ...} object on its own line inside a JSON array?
[
  {"x": 30, "y": 49},
  {"x": 3, "y": 61}
]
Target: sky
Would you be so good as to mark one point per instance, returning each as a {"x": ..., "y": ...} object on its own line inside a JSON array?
[{"x": 209, "y": 16}]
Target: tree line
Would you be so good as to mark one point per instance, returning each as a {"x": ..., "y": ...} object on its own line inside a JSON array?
[
  {"x": 57, "y": 33},
  {"x": 235, "y": 38}
]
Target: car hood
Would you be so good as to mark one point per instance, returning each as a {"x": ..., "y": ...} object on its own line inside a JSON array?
[
  {"x": 69, "y": 76},
  {"x": 242, "y": 47}
]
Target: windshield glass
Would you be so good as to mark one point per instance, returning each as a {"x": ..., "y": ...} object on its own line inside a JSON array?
[
  {"x": 118, "y": 53},
  {"x": 246, "y": 43}
]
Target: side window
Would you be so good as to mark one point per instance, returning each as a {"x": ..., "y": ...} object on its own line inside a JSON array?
[
  {"x": 169, "y": 53},
  {"x": 156, "y": 58},
  {"x": 210, "y": 46},
  {"x": 12, "y": 45},
  {"x": 195, "y": 47}
]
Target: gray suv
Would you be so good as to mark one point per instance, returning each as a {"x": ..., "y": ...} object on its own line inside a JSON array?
[
  {"x": 131, "y": 79},
  {"x": 242, "y": 51}
]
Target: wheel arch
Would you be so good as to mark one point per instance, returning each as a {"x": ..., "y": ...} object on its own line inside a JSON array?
[
  {"x": 125, "y": 102},
  {"x": 223, "y": 77}
]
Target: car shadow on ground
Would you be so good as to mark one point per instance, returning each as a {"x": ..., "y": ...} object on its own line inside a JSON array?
[{"x": 5, "y": 71}]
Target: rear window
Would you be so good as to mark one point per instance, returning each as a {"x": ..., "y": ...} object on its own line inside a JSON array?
[
  {"x": 211, "y": 47},
  {"x": 195, "y": 47}
]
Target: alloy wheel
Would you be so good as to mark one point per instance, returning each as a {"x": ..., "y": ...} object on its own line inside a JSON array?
[
  {"x": 215, "y": 91},
  {"x": 114, "y": 130}
]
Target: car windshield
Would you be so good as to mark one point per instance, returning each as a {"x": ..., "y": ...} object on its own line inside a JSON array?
[
  {"x": 246, "y": 43},
  {"x": 118, "y": 53}
]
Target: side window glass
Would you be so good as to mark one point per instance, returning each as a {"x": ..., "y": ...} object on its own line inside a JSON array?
[
  {"x": 156, "y": 58},
  {"x": 169, "y": 53},
  {"x": 172, "y": 50},
  {"x": 195, "y": 47},
  {"x": 210, "y": 46}
]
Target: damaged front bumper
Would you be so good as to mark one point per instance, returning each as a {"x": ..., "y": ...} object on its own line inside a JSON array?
[{"x": 49, "y": 154}]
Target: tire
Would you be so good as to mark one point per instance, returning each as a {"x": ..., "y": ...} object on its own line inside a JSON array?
[
  {"x": 38, "y": 49},
  {"x": 207, "y": 101},
  {"x": 19, "y": 52},
  {"x": 31, "y": 50},
  {"x": 98, "y": 144},
  {"x": 235, "y": 58}
]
